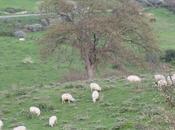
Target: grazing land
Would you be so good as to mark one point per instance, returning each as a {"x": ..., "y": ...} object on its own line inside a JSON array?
[{"x": 121, "y": 106}]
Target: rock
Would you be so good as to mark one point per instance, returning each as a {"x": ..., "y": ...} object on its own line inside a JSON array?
[
  {"x": 34, "y": 27},
  {"x": 22, "y": 39},
  {"x": 45, "y": 22},
  {"x": 20, "y": 34},
  {"x": 152, "y": 2}
]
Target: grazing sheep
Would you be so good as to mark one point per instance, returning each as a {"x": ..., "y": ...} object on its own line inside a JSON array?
[
  {"x": 1, "y": 124},
  {"x": 35, "y": 111},
  {"x": 95, "y": 96},
  {"x": 27, "y": 60},
  {"x": 95, "y": 86},
  {"x": 171, "y": 80},
  {"x": 149, "y": 16},
  {"x": 158, "y": 77},
  {"x": 52, "y": 121},
  {"x": 161, "y": 83},
  {"x": 20, "y": 128},
  {"x": 67, "y": 97},
  {"x": 134, "y": 78}
]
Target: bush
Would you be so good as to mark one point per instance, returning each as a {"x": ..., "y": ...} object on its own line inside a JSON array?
[
  {"x": 34, "y": 27},
  {"x": 169, "y": 55},
  {"x": 6, "y": 27},
  {"x": 12, "y": 10}
]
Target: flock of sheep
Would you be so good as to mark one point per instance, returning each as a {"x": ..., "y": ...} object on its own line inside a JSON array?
[
  {"x": 66, "y": 97},
  {"x": 161, "y": 80}
]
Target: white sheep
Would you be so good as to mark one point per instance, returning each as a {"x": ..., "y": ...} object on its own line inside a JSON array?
[
  {"x": 134, "y": 78},
  {"x": 158, "y": 77},
  {"x": 52, "y": 121},
  {"x": 35, "y": 110},
  {"x": 27, "y": 60},
  {"x": 20, "y": 128},
  {"x": 67, "y": 97},
  {"x": 171, "y": 79},
  {"x": 161, "y": 83},
  {"x": 95, "y": 86},
  {"x": 1, "y": 124},
  {"x": 95, "y": 96}
]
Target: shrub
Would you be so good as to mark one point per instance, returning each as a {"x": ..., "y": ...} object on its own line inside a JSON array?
[
  {"x": 169, "y": 55},
  {"x": 12, "y": 10},
  {"x": 6, "y": 27}
]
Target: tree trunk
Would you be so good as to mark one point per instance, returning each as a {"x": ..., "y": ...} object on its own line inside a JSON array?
[{"x": 89, "y": 69}]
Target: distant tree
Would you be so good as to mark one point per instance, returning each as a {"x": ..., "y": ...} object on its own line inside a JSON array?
[{"x": 101, "y": 30}]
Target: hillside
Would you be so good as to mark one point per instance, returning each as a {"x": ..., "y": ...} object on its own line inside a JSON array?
[
  {"x": 164, "y": 28},
  {"x": 29, "y": 5},
  {"x": 122, "y": 105}
]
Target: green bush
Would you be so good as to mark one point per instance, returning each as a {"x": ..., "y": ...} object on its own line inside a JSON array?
[
  {"x": 12, "y": 10},
  {"x": 169, "y": 55}
]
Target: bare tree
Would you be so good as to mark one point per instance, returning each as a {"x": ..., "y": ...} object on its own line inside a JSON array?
[{"x": 100, "y": 30}]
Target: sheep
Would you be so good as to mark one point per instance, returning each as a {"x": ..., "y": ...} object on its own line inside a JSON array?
[
  {"x": 35, "y": 111},
  {"x": 52, "y": 121},
  {"x": 95, "y": 96},
  {"x": 158, "y": 77},
  {"x": 161, "y": 83},
  {"x": 171, "y": 80},
  {"x": 95, "y": 86},
  {"x": 20, "y": 128},
  {"x": 1, "y": 124},
  {"x": 134, "y": 78},
  {"x": 149, "y": 16},
  {"x": 27, "y": 60},
  {"x": 67, "y": 97}
]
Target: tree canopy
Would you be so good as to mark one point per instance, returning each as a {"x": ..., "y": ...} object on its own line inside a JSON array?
[{"x": 100, "y": 30}]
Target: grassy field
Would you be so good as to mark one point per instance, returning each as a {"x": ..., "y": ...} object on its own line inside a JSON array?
[
  {"x": 15, "y": 72},
  {"x": 164, "y": 27},
  {"x": 122, "y": 105},
  {"x": 29, "y": 5}
]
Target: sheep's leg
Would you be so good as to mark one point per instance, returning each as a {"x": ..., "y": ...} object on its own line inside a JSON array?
[{"x": 63, "y": 101}]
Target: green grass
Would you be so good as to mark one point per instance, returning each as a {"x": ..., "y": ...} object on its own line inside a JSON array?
[
  {"x": 14, "y": 72},
  {"x": 29, "y": 5},
  {"x": 120, "y": 106},
  {"x": 164, "y": 28}
]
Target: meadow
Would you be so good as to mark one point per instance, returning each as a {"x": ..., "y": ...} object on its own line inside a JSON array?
[
  {"x": 121, "y": 106},
  {"x": 29, "y": 5}
]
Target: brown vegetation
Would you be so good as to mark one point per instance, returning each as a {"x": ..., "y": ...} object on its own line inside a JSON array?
[{"x": 100, "y": 30}]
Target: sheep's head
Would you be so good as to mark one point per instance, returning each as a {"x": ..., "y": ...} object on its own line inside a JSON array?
[{"x": 72, "y": 100}]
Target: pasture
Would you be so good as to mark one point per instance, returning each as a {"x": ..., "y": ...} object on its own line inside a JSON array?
[
  {"x": 29, "y": 5},
  {"x": 121, "y": 106}
]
